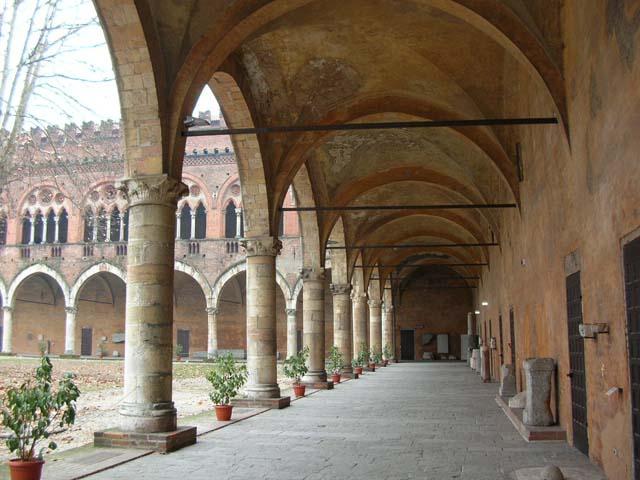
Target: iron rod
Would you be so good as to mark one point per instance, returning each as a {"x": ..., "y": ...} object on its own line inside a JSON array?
[
  {"x": 413, "y": 245},
  {"x": 482, "y": 122},
  {"x": 415, "y": 265},
  {"x": 399, "y": 207}
]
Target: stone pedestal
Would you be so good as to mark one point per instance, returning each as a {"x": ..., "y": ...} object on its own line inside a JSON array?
[
  {"x": 70, "y": 330},
  {"x": 292, "y": 332},
  {"x": 507, "y": 381},
  {"x": 313, "y": 323},
  {"x": 147, "y": 406},
  {"x": 485, "y": 367},
  {"x": 387, "y": 330},
  {"x": 342, "y": 323},
  {"x": 359, "y": 321},
  {"x": 538, "y": 372},
  {"x": 7, "y": 329},
  {"x": 475, "y": 359},
  {"x": 212, "y": 332},
  {"x": 261, "y": 317},
  {"x": 375, "y": 326}
]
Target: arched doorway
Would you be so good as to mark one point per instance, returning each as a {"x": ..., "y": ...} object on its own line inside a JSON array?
[{"x": 190, "y": 317}]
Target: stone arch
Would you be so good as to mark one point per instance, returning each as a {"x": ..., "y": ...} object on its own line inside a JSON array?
[
  {"x": 35, "y": 269},
  {"x": 296, "y": 292},
  {"x": 312, "y": 254},
  {"x": 3, "y": 292},
  {"x": 242, "y": 267},
  {"x": 200, "y": 279},
  {"x": 90, "y": 272}
]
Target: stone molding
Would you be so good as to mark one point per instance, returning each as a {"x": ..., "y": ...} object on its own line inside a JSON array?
[
  {"x": 340, "y": 288},
  {"x": 358, "y": 297},
  {"x": 71, "y": 310},
  {"x": 312, "y": 274},
  {"x": 261, "y": 246},
  {"x": 212, "y": 310},
  {"x": 7, "y": 308},
  {"x": 375, "y": 303},
  {"x": 152, "y": 190},
  {"x": 291, "y": 311}
]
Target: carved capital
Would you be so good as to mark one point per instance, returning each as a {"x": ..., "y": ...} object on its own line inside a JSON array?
[
  {"x": 388, "y": 308},
  {"x": 291, "y": 311},
  {"x": 7, "y": 309},
  {"x": 358, "y": 298},
  {"x": 212, "y": 310},
  {"x": 375, "y": 303},
  {"x": 71, "y": 310},
  {"x": 340, "y": 288},
  {"x": 153, "y": 190},
  {"x": 312, "y": 274},
  {"x": 261, "y": 246}
]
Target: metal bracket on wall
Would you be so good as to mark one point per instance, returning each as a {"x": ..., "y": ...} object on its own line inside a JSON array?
[{"x": 591, "y": 330}]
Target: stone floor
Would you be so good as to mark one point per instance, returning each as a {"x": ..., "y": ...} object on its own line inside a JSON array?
[{"x": 415, "y": 420}]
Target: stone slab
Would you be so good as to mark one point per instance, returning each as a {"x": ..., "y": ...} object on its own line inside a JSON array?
[
  {"x": 570, "y": 473},
  {"x": 89, "y": 462},
  {"x": 351, "y": 376},
  {"x": 271, "y": 403},
  {"x": 328, "y": 385},
  {"x": 207, "y": 422},
  {"x": 530, "y": 433},
  {"x": 163, "y": 442}
]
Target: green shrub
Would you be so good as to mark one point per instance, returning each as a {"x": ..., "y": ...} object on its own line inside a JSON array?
[
  {"x": 362, "y": 356},
  {"x": 295, "y": 367},
  {"x": 34, "y": 410},
  {"x": 376, "y": 357},
  {"x": 387, "y": 352},
  {"x": 335, "y": 360},
  {"x": 227, "y": 378}
]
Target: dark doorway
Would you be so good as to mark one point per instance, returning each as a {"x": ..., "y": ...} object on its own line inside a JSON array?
[
  {"x": 632, "y": 294},
  {"x": 183, "y": 343},
  {"x": 86, "y": 341},
  {"x": 577, "y": 374},
  {"x": 407, "y": 351},
  {"x": 512, "y": 338},
  {"x": 501, "y": 339}
]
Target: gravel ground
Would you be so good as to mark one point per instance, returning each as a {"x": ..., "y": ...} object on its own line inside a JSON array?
[{"x": 100, "y": 383}]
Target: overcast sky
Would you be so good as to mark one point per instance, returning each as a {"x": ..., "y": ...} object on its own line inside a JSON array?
[{"x": 88, "y": 58}]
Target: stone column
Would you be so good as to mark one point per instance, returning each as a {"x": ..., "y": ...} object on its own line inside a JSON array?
[
  {"x": 122, "y": 226},
  {"x": 147, "y": 406},
  {"x": 359, "y": 321},
  {"x": 387, "y": 329},
  {"x": 313, "y": 323},
  {"x": 238, "y": 222},
  {"x": 292, "y": 332},
  {"x": 538, "y": 372},
  {"x": 261, "y": 316},
  {"x": 375, "y": 325},
  {"x": 7, "y": 329},
  {"x": 212, "y": 332},
  {"x": 107, "y": 237},
  {"x": 342, "y": 323},
  {"x": 96, "y": 224},
  {"x": 44, "y": 229},
  {"x": 193, "y": 225},
  {"x": 32, "y": 231},
  {"x": 70, "y": 330},
  {"x": 56, "y": 233},
  {"x": 178, "y": 225},
  {"x": 485, "y": 371}
]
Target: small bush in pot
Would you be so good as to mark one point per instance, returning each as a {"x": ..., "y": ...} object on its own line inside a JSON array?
[
  {"x": 227, "y": 378},
  {"x": 32, "y": 412},
  {"x": 361, "y": 358},
  {"x": 335, "y": 363},
  {"x": 295, "y": 367},
  {"x": 386, "y": 352}
]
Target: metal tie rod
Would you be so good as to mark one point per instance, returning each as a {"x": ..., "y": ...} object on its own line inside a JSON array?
[
  {"x": 413, "y": 245},
  {"x": 416, "y": 265},
  {"x": 481, "y": 122},
  {"x": 399, "y": 207}
]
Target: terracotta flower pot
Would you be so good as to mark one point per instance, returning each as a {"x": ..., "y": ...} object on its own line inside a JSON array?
[
  {"x": 21, "y": 470},
  {"x": 299, "y": 390},
  {"x": 357, "y": 370},
  {"x": 223, "y": 412},
  {"x": 372, "y": 366},
  {"x": 335, "y": 378},
  {"x": 385, "y": 363}
]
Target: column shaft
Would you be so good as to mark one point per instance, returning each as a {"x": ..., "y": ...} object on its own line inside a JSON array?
[
  {"x": 313, "y": 323},
  {"x": 70, "y": 330},
  {"x": 177, "y": 226},
  {"x": 193, "y": 225},
  {"x": 292, "y": 332},
  {"x": 212, "y": 332},
  {"x": 56, "y": 233},
  {"x": 387, "y": 330},
  {"x": 44, "y": 229},
  {"x": 359, "y": 322},
  {"x": 238, "y": 222},
  {"x": 342, "y": 323},
  {"x": 375, "y": 325},
  {"x": 147, "y": 406},
  {"x": 32, "y": 231},
  {"x": 107, "y": 236},
  {"x": 261, "y": 316},
  {"x": 7, "y": 329}
]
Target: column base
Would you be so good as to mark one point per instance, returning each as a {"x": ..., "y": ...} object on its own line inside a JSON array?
[
  {"x": 7, "y": 354},
  {"x": 148, "y": 417},
  {"x": 326, "y": 385},
  {"x": 163, "y": 442},
  {"x": 262, "y": 392},
  {"x": 314, "y": 376},
  {"x": 272, "y": 403},
  {"x": 351, "y": 375}
]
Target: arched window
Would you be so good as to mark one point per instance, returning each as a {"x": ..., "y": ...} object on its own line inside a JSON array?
[
  {"x": 63, "y": 226},
  {"x": 281, "y": 225},
  {"x": 201, "y": 222},
  {"x": 114, "y": 234},
  {"x": 230, "y": 221},
  {"x": 3, "y": 229},
  {"x": 185, "y": 222},
  {"x": 101, "y": 234},
  {"x": 126, "y": 226},
  {"x": 38, "y": 228},
  {"x": 51, "y": 227},
  {"x": 88, "y": 225},
  {"x": 26, "y": 229}
]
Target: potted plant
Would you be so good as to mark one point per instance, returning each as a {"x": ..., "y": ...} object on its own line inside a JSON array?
[
  {"x": 227, "y": 378},
  {"x": 295, "y": 367},
  {"x": 386, "y": 352},
  {"x": 335, "y": 364},
  {"x": 361, "y": 358},
  {"x": 32, "y": 412}
]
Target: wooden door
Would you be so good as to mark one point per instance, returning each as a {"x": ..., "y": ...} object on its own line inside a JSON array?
[
  {"x": 407, "y": 345},
  {"x": 85, "y": 342}
]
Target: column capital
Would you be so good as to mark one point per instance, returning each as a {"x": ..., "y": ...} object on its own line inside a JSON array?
[
  {"x": 388, "y": 308},
  {"x": 340, "y": 288},
  {"x": 375, "y": 303},
  {"x": 261, "y": 246},
  {"x": 152, "y": 189},
  {"x": 7, "y": 308},
  {"x": 291, "y": 311},
  {"x": 358, "y": 297},
  {"x": 71, "y": 310},
  {"x": 312, "y": 274},
  {"x": 212, "y": 310}
]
